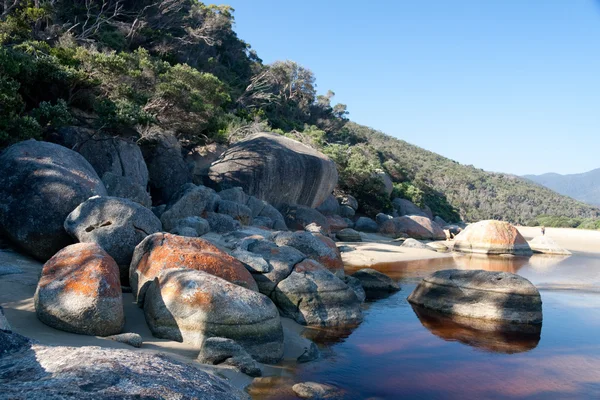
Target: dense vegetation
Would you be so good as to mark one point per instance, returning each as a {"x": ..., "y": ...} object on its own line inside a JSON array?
[{"x": 123, "y": 67}]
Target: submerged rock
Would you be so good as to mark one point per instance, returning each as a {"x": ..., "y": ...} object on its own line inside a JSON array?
[
  {"x": 316, "y": 391},
  {"x": 491, "y": 237},
  {"x": 191, "y": 306},
  {"x": 375, "y": 283},
  {"x": 312, "y": 295},
  {"x": 93, "y": 373},
  {"x": 40, "y": 184},
  {"x": 276, "y": 169},
  {"x": 162, "y": 251},
  {"x": 545, "y": 245},
  {"x": 80, "y": 292},
  {"x": 489, "y": 295}
]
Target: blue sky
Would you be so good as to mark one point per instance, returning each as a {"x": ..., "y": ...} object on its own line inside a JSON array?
[{"x": 505, "y": 85}]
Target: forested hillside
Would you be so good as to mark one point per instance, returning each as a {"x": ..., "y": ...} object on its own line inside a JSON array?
[
  {"x": 127, "y": 67},
  {"x": 583, "y": 187}
]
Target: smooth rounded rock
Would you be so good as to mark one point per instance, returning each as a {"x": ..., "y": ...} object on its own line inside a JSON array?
[
  {"x": 365, "y": 224},
  {"x": 40, "y": 184},
  {"x": 347, "y": 200},
  {"x": 117, "y": 225},
  {"x": 489, "y": 295},
  {"x": 191, "y": 306},
  {"x": 546, "y": 245},
  {"x": 190, "y": 201},
  {"x": 223, "y": 351},
  {"x": 491, "y": 237},
  {"x": 316, "y": 391},
  {"x": 276, "y": 169},
  {"x": 162, "y": 251},
  {"x": 80, "y": 292},
  {"x": 375, "y": 283},
  {"x": 414, "y": 244},
  {"x": 348, "y": 235},
  {"x": 125, "y": 187},
  {"x": 316, "y": 246}
]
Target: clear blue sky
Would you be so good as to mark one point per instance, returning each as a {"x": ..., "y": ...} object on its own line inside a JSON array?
[{"x": 505, "y": 85}]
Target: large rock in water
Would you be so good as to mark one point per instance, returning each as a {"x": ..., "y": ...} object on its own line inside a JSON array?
[
  {"x": 167, "y": 169},
  {"x": 117, "y": 225},
  {"x": 33, "y": 371},
  {"x": 491, "y": 237},
  {"x": 546, "y": 245},
  {"x": 162, "y": 251},
  {"x": 105, "y": 153},
  {"x": 40, "y": 184},
  {"x": 498, "y": 296},
  {"x": 80, "y": 292},
  {"x": 191, "y": 306},
  {"x": 312, "y": 295},
  {"x": 413, "y": 226},
  {"x": 276, "y": 169}
]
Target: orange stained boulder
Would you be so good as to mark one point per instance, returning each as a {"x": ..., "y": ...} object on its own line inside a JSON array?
[
  {"x": 162, "y": 251},
  {"x": 491, "y": 237},
  {"x": 79, "y": 291}
]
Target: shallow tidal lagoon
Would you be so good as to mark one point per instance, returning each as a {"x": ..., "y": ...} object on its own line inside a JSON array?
[{"x": 404, "y": 352}]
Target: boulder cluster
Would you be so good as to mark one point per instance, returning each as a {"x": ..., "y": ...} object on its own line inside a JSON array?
[{"x": 214, "y": 266}]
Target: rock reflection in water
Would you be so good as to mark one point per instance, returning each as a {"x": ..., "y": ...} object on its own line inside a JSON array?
[
  {"x": 510, "y": 264},
  {"x": 491, "y": 336},
  {"x": 328, "y": 336}
]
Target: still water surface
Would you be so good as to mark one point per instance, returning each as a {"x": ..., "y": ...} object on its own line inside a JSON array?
[{"x": 400, "y": 352}]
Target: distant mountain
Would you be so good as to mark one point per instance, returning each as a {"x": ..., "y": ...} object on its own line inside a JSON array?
[{"x": 583, "y": 187}]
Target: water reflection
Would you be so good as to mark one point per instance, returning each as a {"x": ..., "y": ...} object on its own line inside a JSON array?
[
  {"x": 490, "y": 263},
  {"x": 491, "y": 336}
]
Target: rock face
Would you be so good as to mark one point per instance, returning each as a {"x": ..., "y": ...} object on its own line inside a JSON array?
[
  {"x": 222, "y": 223},
  {"x": 124, "y": 187},
  {"x": 276, "y": 169},
  {"x": 413, "y": 226},
  {"x": 364, "y": 224},
  {"x": 200, "y": 158},
  {"x": 375, "y": 283},
  {"x": 117, "y": 225},
  {"x": 318, "y": 247},
  {"x": 200, "y": 226},
  {"x": 167, "y": 169},
  {"x": 80, "y": 292},
  {"x": 499, "y": 296},
  {"x": 93, "y": 373},
  {"x": 299, "y": 217},
  {"x": 119, "y": 156},
  {"x": 4, "y": 325},
  {"x": 407, "y": 207},
  {"x": 491, "y": 237},
  {"x": 237, "y": 211},
  {"x": 312, "y": 295},
  {"x": 40, "y": 184},
  {"x": 223, "y": 351},
  {"x": 189, "y": 201},
  {"x": 191, "y": 306},
  {"x": 545, "y": 245},
  {"x": 162, "y": 251}
]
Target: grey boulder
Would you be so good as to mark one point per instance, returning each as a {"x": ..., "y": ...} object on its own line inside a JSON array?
[
  {"x": 40, "y": 184},
  {"x": 235, "y": 210},
  {"x": 298, "y": 217},
  {"x": 498, "y": 296},
  {"x": 198, "y": 225},
  {"x": 117, "y": 225},
  {"x": 33, "y": 371},
  {"x": 318, "y": 247},
  {"x": 223, "y": 351},
  {"x": 348, "y": 235},
  {"x": 316, "y": 391},
  {"x": 348, "y": 200},
  {"x": 189, "y": 201},
  {"x": 166, "y": 166},
  {"x": 125, "y": 187},
  {"x": 407, "y": 207},
  {"x": 191, "y": 306},
  {"x": 330, "y": 206},
  {"x": 365, "y": 224},
  {"x": 312, "y": 295},
  {"x": 222, "y": 223},
  {"x": 276, "y": 169}
]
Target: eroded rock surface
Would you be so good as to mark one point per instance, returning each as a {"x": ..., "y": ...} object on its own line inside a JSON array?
[{"x": 491, "y": 237}]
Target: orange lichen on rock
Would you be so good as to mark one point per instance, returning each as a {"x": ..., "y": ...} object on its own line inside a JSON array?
[
  {"x": 492, "y": 237},
  {"x": 333, "y": 260},
  {"x": 162, "y": 251}
]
